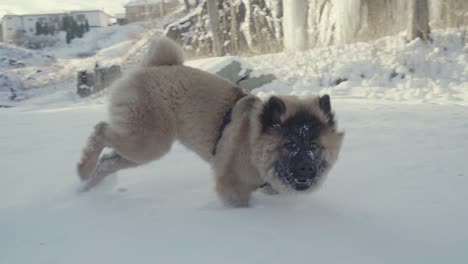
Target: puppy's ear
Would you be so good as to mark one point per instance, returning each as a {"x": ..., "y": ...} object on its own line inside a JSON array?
[
  {"x": 324, "y": 103},
  {"x": 272, "y": 111},
  {"x": 325, "y": 106}
]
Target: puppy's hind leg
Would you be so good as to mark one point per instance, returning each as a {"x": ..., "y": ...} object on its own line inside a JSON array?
[
  {"x": 91, "y": 152},
  {"x": 108, "y": 164}
]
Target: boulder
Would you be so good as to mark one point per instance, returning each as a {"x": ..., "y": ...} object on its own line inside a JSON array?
[
  {"x": 244, "y": 76},
  {"x": 93, "y": 82}
]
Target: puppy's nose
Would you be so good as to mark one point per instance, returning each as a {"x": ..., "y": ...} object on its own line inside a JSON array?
[{"x": 304, "y": 170}]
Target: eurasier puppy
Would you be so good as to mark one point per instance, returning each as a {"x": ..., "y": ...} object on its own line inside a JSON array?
[{"x": 286, "y": 144}]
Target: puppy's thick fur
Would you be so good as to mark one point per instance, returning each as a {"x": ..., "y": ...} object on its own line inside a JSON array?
[{"x": 162, "y": 101}]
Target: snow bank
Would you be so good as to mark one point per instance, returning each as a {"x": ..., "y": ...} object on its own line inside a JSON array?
[
  {"x": 97, "y": 39},
  {"x": 12, "y": 57},
  {"x": 388, "y": 69}
]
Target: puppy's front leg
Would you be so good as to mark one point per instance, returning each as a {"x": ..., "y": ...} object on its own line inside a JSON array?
[
  {"x": 232, "y": 191},
  {"x": 268, "y": 190}
]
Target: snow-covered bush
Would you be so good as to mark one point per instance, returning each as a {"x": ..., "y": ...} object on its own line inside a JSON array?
[
  {"x": 39, "y": 42},
  {"x": 10, "y": 83}
]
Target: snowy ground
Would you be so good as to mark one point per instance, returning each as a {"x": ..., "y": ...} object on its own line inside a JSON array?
[{"x": 397, "y": 195}]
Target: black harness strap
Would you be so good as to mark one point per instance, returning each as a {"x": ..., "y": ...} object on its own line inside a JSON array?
[{"x": 226, "y": 120}]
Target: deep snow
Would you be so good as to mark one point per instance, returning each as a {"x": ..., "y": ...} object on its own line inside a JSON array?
[{"x": 397, "y": 195}]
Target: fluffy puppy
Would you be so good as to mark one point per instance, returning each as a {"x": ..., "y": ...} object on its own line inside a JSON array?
[{"x": 287, "y": 143}]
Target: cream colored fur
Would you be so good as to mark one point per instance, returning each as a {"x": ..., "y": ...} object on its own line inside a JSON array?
[{"x": 265, "y": 147}]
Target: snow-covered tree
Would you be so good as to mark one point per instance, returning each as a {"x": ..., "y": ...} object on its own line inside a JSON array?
[
  {"x": 187, "y": 5},
  {"x": 295, "y": 24},
  {"x": 80, "y": 30},
  {"x": 67, "y": 22},
  {"x": 262, "y": 26},
  {"x": 348, "y": 17},
  {"x": 418, "y": 23},
  {"x": 234, "y": 31},
  {"x": 214, "y": 23},
  {"x": 162, "y": 9},
  {"x": 448, "y": 13},
  {"x": 38, "y": 28},
  {"x": 69, "y": 36},
  {"x": 86, "y": 25}
]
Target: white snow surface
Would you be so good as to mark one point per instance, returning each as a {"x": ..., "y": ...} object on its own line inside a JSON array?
[
  {"x": 11, "y": 55},
  {"x": 397, "y": 195}
]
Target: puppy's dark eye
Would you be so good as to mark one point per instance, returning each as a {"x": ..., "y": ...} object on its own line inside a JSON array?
[
  {"x": 289, "y": 144},
  {"x": 314, "y": 145},
  {"x": 276, "y": 126}
]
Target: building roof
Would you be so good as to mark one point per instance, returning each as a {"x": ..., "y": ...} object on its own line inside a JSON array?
[
  {"x": 89, "y": 10},
  {"x": 58, "y": 13},
  {"x": 42, "y": 13},
  {"x": 120, "y": 15},
  {"x": 142, "y": 3}
]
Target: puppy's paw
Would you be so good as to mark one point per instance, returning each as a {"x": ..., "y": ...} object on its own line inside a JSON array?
[
  {"x": 99, "y": 129},
  {"x": 235, "y": 202},
  {"x": 91, "y": 152},
  {"x": 96, "y": 180},
  {"x": 268, "y": 190},
  {"x": 234, "y": 198},
  {"x": 85, "y": 168}
]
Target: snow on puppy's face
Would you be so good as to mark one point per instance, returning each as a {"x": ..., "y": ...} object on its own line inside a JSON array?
[{"x": 297, "y": 144}]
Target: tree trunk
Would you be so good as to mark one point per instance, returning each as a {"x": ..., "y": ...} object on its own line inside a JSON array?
[
  {"x": 162, "y": 11},
  {"x": 295, "y": 24},
  {"x": 234, "y": 33},
  {"x": 277, "y": 13},
  {"x": 245, "y": 26},
  {"x": 187, "y": 5},
  {"x": 214, "y": 23},
  {"x": 418, "y": 26}
]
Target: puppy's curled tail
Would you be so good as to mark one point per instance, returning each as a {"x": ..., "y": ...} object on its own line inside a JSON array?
[{"x": 163, "y": 51}]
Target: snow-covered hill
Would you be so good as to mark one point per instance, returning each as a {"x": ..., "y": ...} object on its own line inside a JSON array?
[
  {"x": 42, "y": 72},
  {"x": 53, "y": 70},
  {"x": 14, "y": 57}
]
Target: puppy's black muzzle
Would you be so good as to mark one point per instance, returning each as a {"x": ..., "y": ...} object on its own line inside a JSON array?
[{"x": 302, "y": 167}]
